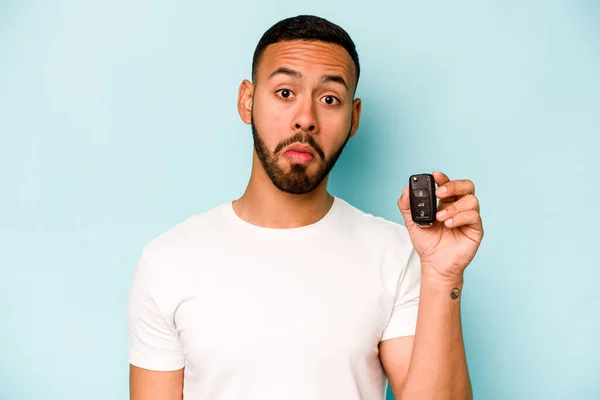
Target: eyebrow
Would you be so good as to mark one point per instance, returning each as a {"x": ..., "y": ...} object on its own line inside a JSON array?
[
  {"x": 334, "y": 78},
  {"x": 286, "y": 71},
  {"x": 297, "y": 75}
]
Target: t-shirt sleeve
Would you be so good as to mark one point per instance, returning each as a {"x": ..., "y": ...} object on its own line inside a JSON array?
[
  {"x": 403, "y": 320},
  {"x": 153, "y": 341}
]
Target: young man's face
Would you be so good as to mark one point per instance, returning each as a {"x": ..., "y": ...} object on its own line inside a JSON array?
[{"x": 302, "y": 111}]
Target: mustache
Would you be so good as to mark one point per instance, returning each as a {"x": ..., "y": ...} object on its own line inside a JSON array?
[{"x": 301, "y": 138}]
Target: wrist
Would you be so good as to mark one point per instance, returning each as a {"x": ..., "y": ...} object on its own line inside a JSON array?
[
  {"x": 430, "y": 275},
  {"x": 441, "y": 286}
]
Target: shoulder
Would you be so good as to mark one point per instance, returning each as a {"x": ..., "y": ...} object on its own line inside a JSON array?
[
  {"x": 374, "y": 227},
  {"x": 186, "y": 235}
]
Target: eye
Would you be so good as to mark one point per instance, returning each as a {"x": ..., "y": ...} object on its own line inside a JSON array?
[
  {"x": 285, "y": 93},
  {"x": 331, "y": 100}
]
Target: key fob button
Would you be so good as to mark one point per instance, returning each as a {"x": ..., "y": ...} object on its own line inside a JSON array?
[
  {"x": 420, "y": 193},
  {"x": 423, "y": 214},
  {"x": 422, "y": 206}
]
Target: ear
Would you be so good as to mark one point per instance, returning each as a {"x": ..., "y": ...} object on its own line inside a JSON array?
[
  {"x": 245, "y": 96},
  {"x": 356, "y": 107}
]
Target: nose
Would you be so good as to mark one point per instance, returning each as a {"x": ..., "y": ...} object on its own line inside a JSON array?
[{"x": 305, "y": 118}]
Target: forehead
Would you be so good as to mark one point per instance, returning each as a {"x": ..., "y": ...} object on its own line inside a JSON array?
[{"x": 308, "y": 56}]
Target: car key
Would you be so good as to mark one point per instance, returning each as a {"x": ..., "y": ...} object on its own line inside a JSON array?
[{"x": 423, "y": 203}]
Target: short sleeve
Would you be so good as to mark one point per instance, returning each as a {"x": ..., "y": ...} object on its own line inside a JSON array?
[
  {"x": 153, "y": 342},
  {"x": 403, "y": 320}
]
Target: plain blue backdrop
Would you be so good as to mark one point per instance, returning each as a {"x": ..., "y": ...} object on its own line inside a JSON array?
[{"x": 118, "y": 120}]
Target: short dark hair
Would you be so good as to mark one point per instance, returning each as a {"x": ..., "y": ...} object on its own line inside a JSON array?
[{"x": 309, "y": 28}]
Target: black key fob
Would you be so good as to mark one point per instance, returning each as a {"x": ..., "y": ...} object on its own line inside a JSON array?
[{"x": 423, "y": 203}]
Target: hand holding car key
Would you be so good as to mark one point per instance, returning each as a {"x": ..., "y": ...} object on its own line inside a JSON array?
[{"x": 454, "y": 225}]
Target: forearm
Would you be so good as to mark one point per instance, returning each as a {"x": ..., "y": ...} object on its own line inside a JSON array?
[{"x": 438, "y": 366}]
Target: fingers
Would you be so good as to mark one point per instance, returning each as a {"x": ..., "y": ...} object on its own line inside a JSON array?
[
  {"x": 465, "y": 204},
  {"x": 470, "y": 217},
  {"x": 451, "y": 190},
  {"x": 440, "y": 178}
]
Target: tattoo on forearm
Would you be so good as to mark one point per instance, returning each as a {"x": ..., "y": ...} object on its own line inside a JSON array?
[{"x": 455, "y": 293}]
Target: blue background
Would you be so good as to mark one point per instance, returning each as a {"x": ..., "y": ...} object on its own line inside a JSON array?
[{"x": 118, "y": 120}]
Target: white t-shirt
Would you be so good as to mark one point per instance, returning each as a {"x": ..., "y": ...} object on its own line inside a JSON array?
[{"x": 258, "y": 313}]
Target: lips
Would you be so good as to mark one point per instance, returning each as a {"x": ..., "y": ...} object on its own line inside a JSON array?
[
  {"x": 300, "y": 148},
  {"x": 299, "y": 153}
]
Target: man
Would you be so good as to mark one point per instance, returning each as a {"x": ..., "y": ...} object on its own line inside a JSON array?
[{"x": 289, "y": 292}]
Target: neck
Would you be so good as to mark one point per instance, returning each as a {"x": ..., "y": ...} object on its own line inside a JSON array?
[{"x": 263, "y": 204}]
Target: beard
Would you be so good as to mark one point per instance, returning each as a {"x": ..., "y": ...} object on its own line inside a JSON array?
[{"x": 297, "y": 180}]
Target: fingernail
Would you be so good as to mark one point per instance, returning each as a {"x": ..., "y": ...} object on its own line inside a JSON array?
[
  {"x": 449, "y": 222},
  {"x": 442, "y": 213},
  {"x": 442, "y": 190}
]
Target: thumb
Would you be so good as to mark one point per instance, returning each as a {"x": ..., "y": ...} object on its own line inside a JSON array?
[{"x": 404, "y": 206}]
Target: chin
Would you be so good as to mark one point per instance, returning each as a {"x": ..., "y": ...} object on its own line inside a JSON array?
[{"x": 310, "y": 166}]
